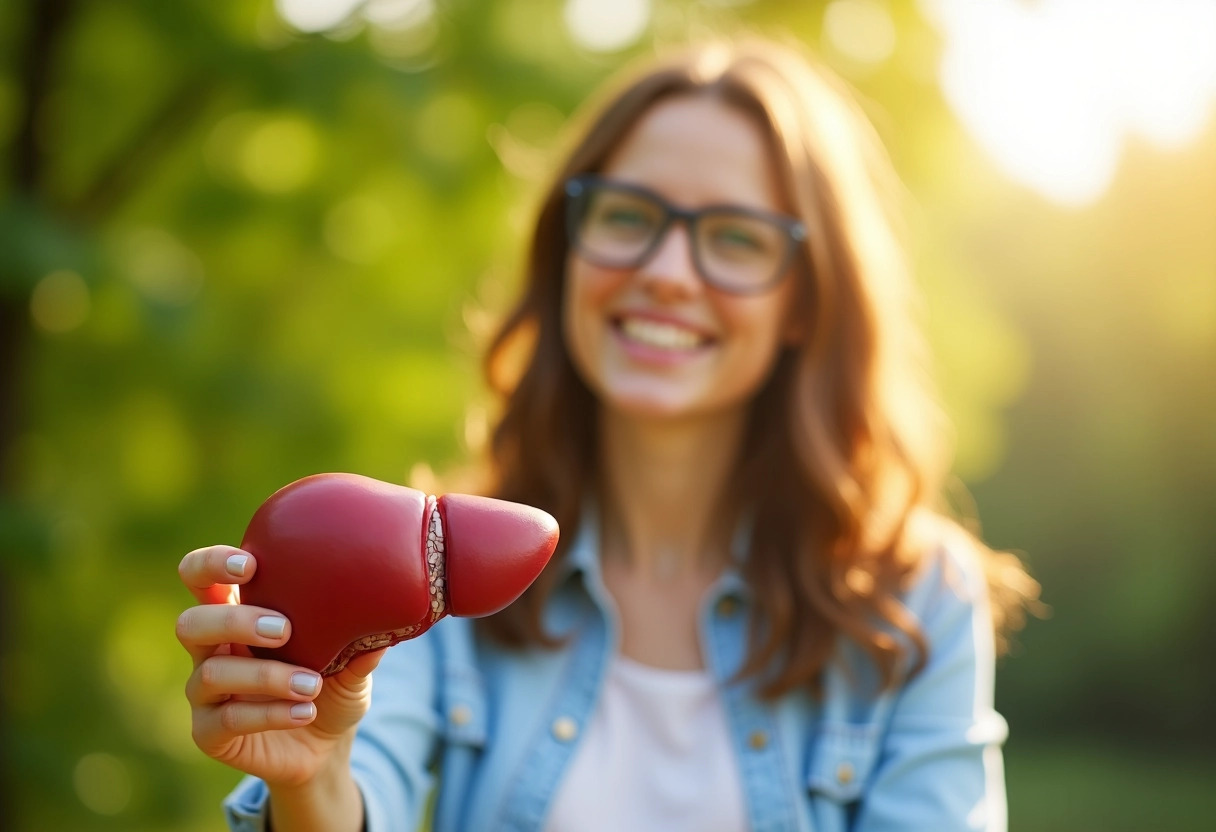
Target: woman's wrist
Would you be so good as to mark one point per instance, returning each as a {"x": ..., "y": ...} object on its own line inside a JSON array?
[{"x": 330, "y": 800}]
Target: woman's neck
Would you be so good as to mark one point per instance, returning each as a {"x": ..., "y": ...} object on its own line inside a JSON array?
[{"x": 662, "y": 487}]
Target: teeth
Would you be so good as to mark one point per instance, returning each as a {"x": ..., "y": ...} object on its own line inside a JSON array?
[{"x": 656, "y": 334}]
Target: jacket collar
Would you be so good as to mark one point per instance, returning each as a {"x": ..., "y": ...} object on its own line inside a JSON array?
[{"x": 583, "y": 559}]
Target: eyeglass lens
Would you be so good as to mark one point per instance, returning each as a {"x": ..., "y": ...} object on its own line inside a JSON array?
[{"x": 620, "y": 227}]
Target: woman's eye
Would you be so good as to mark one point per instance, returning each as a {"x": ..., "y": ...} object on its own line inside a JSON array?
[
  {"x": 739, "y": 239},
  {"x": 626, "y": 218}
]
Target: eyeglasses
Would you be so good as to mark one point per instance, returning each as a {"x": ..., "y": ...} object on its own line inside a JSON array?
[{"x": 735, "y": 249}]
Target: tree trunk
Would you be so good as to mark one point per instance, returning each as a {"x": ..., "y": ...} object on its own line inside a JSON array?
[{"x": 46, "y": 21}]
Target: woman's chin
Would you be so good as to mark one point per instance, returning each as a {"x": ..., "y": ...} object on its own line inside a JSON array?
[{"x": 648, "y": 405}]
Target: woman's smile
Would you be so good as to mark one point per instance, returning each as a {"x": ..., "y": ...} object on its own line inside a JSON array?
[{"x": 649, "y": 338}]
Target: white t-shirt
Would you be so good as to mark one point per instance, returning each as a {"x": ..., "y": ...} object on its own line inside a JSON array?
[{"x": 656, "y": 754}]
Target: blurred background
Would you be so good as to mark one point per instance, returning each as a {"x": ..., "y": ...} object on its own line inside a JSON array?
[{"x": 242, "y": 242}]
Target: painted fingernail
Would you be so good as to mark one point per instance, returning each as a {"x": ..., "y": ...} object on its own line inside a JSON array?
[
  {"x": 305, "y": 683},
  {"x": 303, "y": 710},
  {"x": 236, "y": 564},
  {"x": 271, "y": 626}
]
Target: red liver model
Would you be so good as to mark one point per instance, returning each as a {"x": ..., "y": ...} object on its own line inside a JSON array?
[{"x": 357, "y": 564}]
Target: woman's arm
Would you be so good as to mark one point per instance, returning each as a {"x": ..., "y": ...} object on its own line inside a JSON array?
[
  {"x": 384, "y": 777},
  {"x": 330, "y": 802},
  {"x": 940, "y": 765}
]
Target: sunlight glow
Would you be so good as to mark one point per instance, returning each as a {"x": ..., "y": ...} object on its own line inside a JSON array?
[
  {"x": 399, "y": 14},
  {"x": 328, "y": 15},
  {"x": 861, "y": 30},
  {"x": 1053, "y": 89},
  {"x": 316, "y": 15},
  {"x": 403, "y": 32},
  {"x": 606, "y": 25}
]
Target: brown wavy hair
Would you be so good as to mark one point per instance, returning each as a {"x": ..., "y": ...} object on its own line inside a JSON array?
[{"x": 844, "y": 448}]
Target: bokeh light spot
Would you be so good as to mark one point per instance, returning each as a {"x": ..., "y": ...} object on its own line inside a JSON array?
[
  {"x": 606, "y": 25},
  {"x": 222, "y": 148},
  {"x": 861, "y": 30},
  {"x": 102, "y": 783},
  {"x": 316, "y": 15},
  {"x": 398, "y": 14},
  {"x": 536, "y": 123},
  {"x": 524, "y": 142},
  {"x": 422, "y": 477},
  {"x": 448, "y": 127},
  {"x": 360, "y": 229},
  {"x": 280, "y": 154},
  {"x": 60, "y": 302},
  {"x": 160, "y": 266},
  {"x": 403, "y": 32},
  {"x": 410, "y": 49},
  {"x": 476, "y": 428}
]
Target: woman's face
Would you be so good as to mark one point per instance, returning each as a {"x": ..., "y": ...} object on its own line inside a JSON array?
[{"x": 656, "y": 341}]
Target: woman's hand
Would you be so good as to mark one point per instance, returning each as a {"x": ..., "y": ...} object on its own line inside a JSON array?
[{"x": 273, "y": 720}]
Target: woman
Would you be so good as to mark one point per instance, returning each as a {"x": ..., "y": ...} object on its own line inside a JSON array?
[{"x": 756, "y": 619}]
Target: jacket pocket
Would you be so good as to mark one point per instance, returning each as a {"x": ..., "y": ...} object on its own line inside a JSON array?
[
  {"x": 841, "y": 761},
  {"x": 464, "y": 707}
]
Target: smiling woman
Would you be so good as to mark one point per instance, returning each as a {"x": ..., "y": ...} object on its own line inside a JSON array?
[
  {"x": 681, "y": 320},
  {"x": 757, "y": 617}
]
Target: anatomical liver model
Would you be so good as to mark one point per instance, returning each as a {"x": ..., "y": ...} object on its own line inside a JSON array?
[{"x": 358, "y": 564}]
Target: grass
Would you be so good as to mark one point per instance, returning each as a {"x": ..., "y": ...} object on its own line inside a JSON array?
[{"x": 1069, "y": 787}]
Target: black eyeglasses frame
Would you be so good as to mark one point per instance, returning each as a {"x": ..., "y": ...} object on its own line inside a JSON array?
[{"x": 577, "y": 186}]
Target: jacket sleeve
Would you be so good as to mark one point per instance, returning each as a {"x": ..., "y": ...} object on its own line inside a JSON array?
[
  {"x": 939, "y": 766},
  {"x": 393, "y": 749}
]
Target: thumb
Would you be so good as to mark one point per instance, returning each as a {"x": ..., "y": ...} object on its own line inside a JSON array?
[
  {"x": 345, "y": 695},
  {"x": 361, "y": 666}
]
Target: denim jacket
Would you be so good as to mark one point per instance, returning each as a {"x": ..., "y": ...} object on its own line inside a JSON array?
[{"x": 495, "y": 729}]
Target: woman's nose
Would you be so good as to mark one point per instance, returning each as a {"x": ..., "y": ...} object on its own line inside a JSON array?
[{"x": 671, "y": 267}]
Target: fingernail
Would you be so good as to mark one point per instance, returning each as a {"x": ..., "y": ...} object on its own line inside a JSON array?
[
  {"x": 271, "y": 626},
  {"x": 303, "y": 710},
  {"x": 236, "y": 564},
  {"x": 305, "y": 683}
]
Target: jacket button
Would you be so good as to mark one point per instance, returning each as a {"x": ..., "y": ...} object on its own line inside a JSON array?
[
  {"x": 564, "y": 729},
  {"x": 758, "y": 740},
  {"x": 727, "y": 607},
  {"x": 460, "y": 715},
  {"x": 844, "y": 773}
]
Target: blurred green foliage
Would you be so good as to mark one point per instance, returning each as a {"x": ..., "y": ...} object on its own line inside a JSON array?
[{"x": 232, "y": 254}]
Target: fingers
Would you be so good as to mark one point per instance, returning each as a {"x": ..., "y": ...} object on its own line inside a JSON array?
[
  {"x": 210, "y": 573},
  {"x": 280, "y": 697},
  {"x": 216, "y": 725},
  {"x": 202, "y": 628},
  {"x": 220, "y": 677}
]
